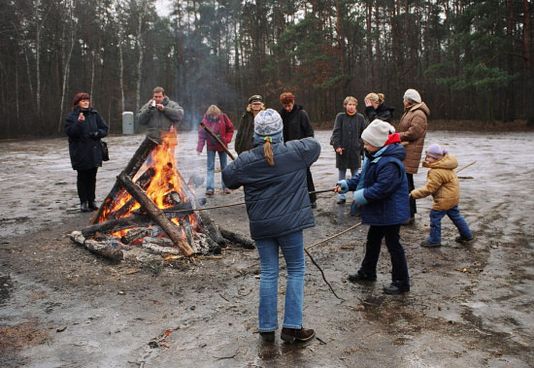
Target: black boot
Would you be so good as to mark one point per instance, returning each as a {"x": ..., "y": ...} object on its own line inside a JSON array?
[
  {"x": 84, "y": 207},
  {"x": 92, "y": 206},
  {"x": 396, "y": 288}
]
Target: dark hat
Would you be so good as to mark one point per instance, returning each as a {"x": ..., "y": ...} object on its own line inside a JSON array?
[{"x": 255, "y": 98}]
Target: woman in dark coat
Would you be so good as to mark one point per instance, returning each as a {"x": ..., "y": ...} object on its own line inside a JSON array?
[
  {"x": 346, "y": 140},
  {"x": 85, "y": 127},
  {"x": 243, "y": 138},
  {"x": 297, "y": 125},
  {"x": 376, "y": 109}
]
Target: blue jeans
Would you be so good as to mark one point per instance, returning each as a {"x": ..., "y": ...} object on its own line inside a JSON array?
[
  {"x": 292, "y": 246},
  {"x": 342, "y": 175},
  {"x": 210, "y": 184},
  {"x": 457, "y": 219}
]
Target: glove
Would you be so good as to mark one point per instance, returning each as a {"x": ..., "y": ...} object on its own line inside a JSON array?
[
  {"x": 359, "y": 198},
  {"x": 93, "y": 135},
  {"x": 342, "y": 184}
]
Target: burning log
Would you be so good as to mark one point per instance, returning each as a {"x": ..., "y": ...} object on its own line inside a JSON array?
[
  {"x": 107, "y": 249},
  {"x": 138, "y": 159},
  {"x": 155, "y": 213}
]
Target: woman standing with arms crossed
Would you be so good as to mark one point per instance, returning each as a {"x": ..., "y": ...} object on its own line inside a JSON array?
[
  {"x": 85, "y": 127},
  {"x": 273, "y": 174}
]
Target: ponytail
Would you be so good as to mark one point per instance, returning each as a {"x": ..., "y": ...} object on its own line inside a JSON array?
[{"x": 268, "y": 151}]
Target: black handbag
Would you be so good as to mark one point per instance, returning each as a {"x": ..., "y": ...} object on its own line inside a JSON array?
[{"x": 105, "y": 152}]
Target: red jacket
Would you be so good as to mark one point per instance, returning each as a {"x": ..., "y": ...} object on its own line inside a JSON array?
[{"x": 222, "y": 128}]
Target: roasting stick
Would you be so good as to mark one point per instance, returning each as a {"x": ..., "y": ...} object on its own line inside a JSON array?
[{"x": 214, "y": 136}]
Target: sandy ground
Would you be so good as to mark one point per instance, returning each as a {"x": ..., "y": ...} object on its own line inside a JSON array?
[{"x": 60, "y": 306}]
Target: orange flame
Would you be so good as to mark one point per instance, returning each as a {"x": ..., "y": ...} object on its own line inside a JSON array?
[{"x": 160, "y": 180}]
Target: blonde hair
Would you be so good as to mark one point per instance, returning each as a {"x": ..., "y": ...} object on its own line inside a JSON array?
[
  {"x": 350, "y": 99},
  {"x": 376, "y": 97},
  {"x": 268, "y": 151},
  {"x": 213, "y": 110},
  {"x": 249, "y": 108}
]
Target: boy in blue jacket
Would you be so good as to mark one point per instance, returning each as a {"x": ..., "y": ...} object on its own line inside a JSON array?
[{"x": 381, "y": 191}]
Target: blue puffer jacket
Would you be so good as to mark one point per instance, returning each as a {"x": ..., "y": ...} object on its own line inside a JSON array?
[
  {"x": 384, "y": 194},
  {"x": 276, "y": 196}
]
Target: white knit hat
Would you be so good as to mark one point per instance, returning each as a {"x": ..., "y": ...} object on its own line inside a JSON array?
[
  {"x": 413, "y": 95},
  {"x": 267, "y": 123},
  {"x": 377, "y": 132}
]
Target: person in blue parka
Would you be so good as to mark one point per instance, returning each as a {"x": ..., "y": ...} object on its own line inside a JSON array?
[
  {"x": 273, "y": 175},
  {"x": 381, "y": 191},
  {"x": 85, "y": 127}
]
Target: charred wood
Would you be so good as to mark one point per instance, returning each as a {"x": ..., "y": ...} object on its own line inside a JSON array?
[
  {"x": 237, "y": 238},
  {"x": 211, "y": 228},
  {"x": 108, "y": 249},
  {"x": 155, "y": 213}
]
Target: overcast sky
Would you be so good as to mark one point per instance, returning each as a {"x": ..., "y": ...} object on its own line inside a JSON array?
[{"x": 163, "y": 7}]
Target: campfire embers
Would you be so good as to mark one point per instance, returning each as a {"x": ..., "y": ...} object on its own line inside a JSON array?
[{"x": 150, "y": 206}]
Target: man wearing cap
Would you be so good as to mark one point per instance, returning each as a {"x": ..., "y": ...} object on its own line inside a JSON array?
[
  {"x": 160, "y": 114},
  {"x": 297, "y": 125},
  {"x": 412, "y": 131},
  {"x": 381, "y": 191},
  {"x": 245, "y": 130}
]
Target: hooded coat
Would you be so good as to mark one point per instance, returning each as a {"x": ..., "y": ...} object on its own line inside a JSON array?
[
  {"x": 442, "y": 183},
  {"x": 276, "y": 196},
  {"x": 85, "y": 148},
  {"x": 158, "y": 121},
  {"x": 382, "y": 188},
  {"x": 412, "y": 129},
  {"x": 221, "y": 127},
  {"x": 347, "y": 134}
]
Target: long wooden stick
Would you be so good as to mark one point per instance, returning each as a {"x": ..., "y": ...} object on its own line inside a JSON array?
[
  {"x": 466, "y": 166},
  {"x": 210, "y": 132}
]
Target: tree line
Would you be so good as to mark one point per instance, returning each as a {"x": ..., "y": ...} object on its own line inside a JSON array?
[{"x": 469, "y": 59}]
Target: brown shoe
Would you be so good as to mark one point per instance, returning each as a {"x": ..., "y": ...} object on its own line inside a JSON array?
[{"x": 293, "y": 335}]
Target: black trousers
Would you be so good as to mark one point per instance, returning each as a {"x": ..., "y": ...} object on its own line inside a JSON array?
[
  {"x": 311, "y": 186},
  {"x": 413, "y": 208},
  {"x": 86, "y": 184},
  {"x": 399, "y": 272}
]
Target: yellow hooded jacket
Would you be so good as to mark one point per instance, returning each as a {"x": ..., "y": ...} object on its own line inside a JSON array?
[{"x": 442, "y": 183}]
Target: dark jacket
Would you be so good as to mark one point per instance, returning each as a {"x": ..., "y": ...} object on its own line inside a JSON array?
[
  {"x": 347, "y": 135},
  {"x": 276, "y": 197},
  {"x": 222, "y": 128},
  {"x": 84, "y": 138},
  {"x": 384, "y": 188},
  {"x": 412, "y": 129},
  {"x": 297, "y": 124},
  {"x": 382, "y": 112},
  {"x": 160, "y": 121},
  {"x": 245, "y": 133}
]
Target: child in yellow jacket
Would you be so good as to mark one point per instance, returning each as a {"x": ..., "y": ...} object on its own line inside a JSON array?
[{"x": 442, "y": 183}]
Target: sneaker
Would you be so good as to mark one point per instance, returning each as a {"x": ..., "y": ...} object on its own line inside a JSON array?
[
  {"x": 341, "y": 200},
  {"x": 294, "y": 335},
  {"x": 267, "y": 336},
  {"x": 361, "y": 277},
  {"x": 92, "y": 206},
  {"x": 209, "y": 192},
  {"x": 396, "y": 288},
  {"x": 227, "y": 191},
  {"x": 428, "y": 244},
  {"x": 463, "y": 240}
]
